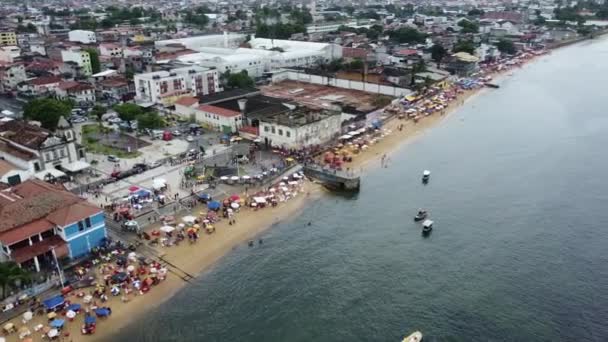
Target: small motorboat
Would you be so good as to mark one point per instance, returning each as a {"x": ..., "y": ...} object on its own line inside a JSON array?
[
  {"x": 427, "y": 226},
  {"x": 422, "y": 214},
  {"x": 425, "y": 176},
  {"x": 416, "y": 336},
  {"x": 492, "y": 85}
]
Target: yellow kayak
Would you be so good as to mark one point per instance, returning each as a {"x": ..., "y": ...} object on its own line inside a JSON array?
[{"x": 416, "y": 336}]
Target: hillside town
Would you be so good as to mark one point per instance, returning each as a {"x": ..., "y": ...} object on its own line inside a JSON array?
[{"x": 116, "y": 119}]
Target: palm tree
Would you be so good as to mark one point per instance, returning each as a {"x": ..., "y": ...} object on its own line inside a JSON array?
[{"x": 11, "y": 275}]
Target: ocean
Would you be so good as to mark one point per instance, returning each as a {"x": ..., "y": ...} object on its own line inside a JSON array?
[{"x": 519, "y": 250}]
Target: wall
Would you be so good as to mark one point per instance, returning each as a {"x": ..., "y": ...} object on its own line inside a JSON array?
[
  {"x": 315, "y": 133},
  {"x": 79, "y": 246},
  {"x": 339, "y": 83}
]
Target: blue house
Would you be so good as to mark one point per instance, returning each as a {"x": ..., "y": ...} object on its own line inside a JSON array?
[{"x": 82, "y": 226}]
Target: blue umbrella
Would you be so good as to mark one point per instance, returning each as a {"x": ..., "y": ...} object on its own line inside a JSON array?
[
  {"x": 74, "y": 307},
  {"x": 102, "y": 312},
  {"x": 204, "y": 196},
  {"x": 57, "y": 323},
  {"x": 90, "y": 320},
  {"x": 214, "y": 205}
]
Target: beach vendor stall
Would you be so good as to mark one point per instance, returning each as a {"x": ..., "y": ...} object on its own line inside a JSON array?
[
  {"x": 214, "y": 205},
  {"x": 57, "y": 323},
  {"x": 89, "y": 325},
  {"x": 103, "y": 312},
  {"x": 204, "y": 197},
  {"x": 54, "y": 303}
]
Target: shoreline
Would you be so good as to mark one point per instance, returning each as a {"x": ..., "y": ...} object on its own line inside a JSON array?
[{"x": 199, "y": 258}]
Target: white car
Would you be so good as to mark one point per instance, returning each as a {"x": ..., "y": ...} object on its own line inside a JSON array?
[
  {"x": 176, "y": 133},
  {"x": 115, "y": 120},
  {"x": 189, "y": 138}
]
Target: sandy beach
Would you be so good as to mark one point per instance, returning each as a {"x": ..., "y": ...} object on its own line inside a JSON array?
[{"x": 198, "y": 258}]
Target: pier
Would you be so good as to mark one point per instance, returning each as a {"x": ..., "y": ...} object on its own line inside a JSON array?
[{"x": 334, "y": 179}]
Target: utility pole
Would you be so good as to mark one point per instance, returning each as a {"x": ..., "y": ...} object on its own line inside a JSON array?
[{"x": 57, "y": 265}]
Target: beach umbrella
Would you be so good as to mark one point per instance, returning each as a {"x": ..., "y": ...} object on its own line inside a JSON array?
[
  {"x": 131, "y": 268},
  {"x": 57, "y": 323},
  {"x": 102, "y": 312},
  {"x": 245, "y": 177},
  {"x": 90, "y": 319},
  {"x": 53, "y": 333},
  {"x": 272, "y": 189},
  {"x": 229, "y": 210},
  {"x": 234, "y": 178},
  {"x": 224, "y": 178},
  {"x": 167, "y": 229},
  {"x": 189, "y": 219},
  {"x": 27, "y": 316},
  {"x": 24, "y": 331},
  {"x": 264, "y": 173},
  {"x": 70, "y": 314},
  {"x": 74, "y": 307},
  {"x": 285, "y": 178},
  {"x": 214, "y": 205},
  {"x": 133, "y": 188},
  {"x": 196, "y": 226},
  {"x": 282, "y": 184},
  {"x": 181, "y": 225},
  {"x": 235, "y": 198},
  {"x": 234, "y": 205}
]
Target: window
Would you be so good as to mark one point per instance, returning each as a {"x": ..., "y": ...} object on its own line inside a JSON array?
[
  {"x": 80, "y": 226},
  {"x": 266, "y": 128},
  {"x": 87, "y": 222},
  {"x": 62, "y": 152},
  {"x": 288, "y": 133},
  {"x": 273, "y": 130},
  {"x": 54, "y": 154},
  {"x": 47, "y": 156},
  {"x": 36, "y": 167},
  {"x": 280, "y": 132}
]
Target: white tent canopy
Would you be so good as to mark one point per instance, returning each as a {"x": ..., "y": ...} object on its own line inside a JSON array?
[
  {"x": 76, "y": 166},
  {"x": 53, "y": 172},
  {"x": 159, "y": 183},
  {"x": 167, "y": 229}
]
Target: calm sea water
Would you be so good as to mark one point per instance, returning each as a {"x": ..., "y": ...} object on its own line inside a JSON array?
[{"x": 519, "y": 252}]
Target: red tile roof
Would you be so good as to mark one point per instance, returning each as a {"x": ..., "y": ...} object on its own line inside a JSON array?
[
  {"x": 73, "y": 213},
  {"x": 65, "y": 85},
  {"x": 24, "y": 134},
  {"x": 27, "y": 253},
  {"x": 29, "y": 229},
  {"x": 45, "y": 80},
  {"x": 510, "y": 16},
  {"x": 218, "y": 111},
  {"x": 186, "y": 101},
  {"x": 406, "y": 52}
]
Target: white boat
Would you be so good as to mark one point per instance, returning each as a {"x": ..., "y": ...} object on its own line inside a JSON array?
[
  {"x": 427, "y": 226},
  {"x": 426, "y": 175},
  {"x": 416, "y": 336}
]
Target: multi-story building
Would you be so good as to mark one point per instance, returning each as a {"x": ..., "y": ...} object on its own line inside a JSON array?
[
  {"x": 212, "y": 117},
  {"x": 8, "y": 37},
  {"x": 45, "y": 85},
  {"x": 41, "y": 222},
  {"x": 82, "y": 36},
  {"x": 165, "y": 87},
  {"x": 79, "y": 56},
  {"x": 110, "y": 50},
  {"x": 11, "y": 74},
  {"x": 83, "y": 94},
  {"x": 9, "y": 53}
]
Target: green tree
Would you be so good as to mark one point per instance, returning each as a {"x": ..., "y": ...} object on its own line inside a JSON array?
[
  {"x": 468, "y": 26},
  {"x": 506, "y": 46},
  {"x": 11, "y": 274},
  {"x": 464, "y": 46},
  {"x": 47, "y": 111},
  {"x": 97, "y": 112},
  {"x": 128, "y": 111},
  {"x": 240, "y": 80},
  {"x": 29, "y": 28},
  {"x": 476, "y": 12},
  {"x": 438, "y": 52},
  {"x": 94, "y": 55},
  {"x": 150, "y": 120},
  {"x": 407, "y": 35},
  {"x": 356, "y": 64},
  {"x": 198, "y": 17}
]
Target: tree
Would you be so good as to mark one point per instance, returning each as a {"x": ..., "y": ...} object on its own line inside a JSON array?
[
  {"x": 11, "y": 274},
  {"x": 29, "y": 28},
  {"x": 97, "y": 112},
  {"x": 475, "y": 12},
  {"x": 150, "y": 120},
  {"x": 94, "y": 56},
  {"x": 468, "y": 26},
  {"x": 506, "y": 46},
  {"x": 198, "y": 17},
  {"x": 356, "y": 64},
  {"x": 128, "y": 111},
  {"x": 47, "y": 111},
  {"x": 438, "y": 52},
  {"x": 407, "y": 35},
  {"x": 464, "y": 46},
  {"x": 240, "y": 80}
]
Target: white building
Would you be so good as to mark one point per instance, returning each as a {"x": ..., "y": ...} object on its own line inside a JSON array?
[
  {"x": 265, "y": 55},
  {"x": 82, "y": 36},
  {"x": 300, "y": 128},
  {"x": 226, "y": 40},
  {"x": 78, "y": 56},
  {"x": 212, "y": 117},
  {"x": 334, "y": 26},
  {"x": 110, "y": 50},
  {"x": 165, "y": 87},
  {"x": 80, "y": 93},
  {"x": 9, "y": 54},
  {"x": 11, "y": 75}
]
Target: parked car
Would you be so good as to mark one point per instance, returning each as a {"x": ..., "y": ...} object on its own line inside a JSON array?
[
  {"x": 77, "y": 119},
  {"x": 189, "y": 138},
  {"x": 176, "y": 133},
  {"x": 113, "y": 158},
  {"x": 115, "y": 120},
  {"x": 156, "y": 163}
]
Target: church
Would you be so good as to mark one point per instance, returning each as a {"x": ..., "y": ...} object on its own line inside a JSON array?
[{"x": 27, "y": 151}]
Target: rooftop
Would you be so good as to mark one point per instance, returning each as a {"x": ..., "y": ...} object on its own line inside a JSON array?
[{"x": 23, "y": 133}]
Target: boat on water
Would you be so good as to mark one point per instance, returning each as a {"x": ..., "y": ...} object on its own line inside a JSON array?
[
  {"x": 425, "y": 176},
  {"x": 492, "y": 85},
  {"x": 427, "y": 226},
  {"x": 416, "y": 336},
  {"x": 421, "y": 215}
]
